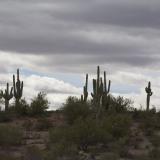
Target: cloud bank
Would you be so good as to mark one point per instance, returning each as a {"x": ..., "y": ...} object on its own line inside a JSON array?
[{"x": 48, "y": 38}]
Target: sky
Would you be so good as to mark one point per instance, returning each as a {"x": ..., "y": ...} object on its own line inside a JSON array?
[{"x": 56, "y": 42}]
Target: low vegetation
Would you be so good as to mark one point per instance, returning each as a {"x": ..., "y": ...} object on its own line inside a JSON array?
[{"x": 10, "y": 135}]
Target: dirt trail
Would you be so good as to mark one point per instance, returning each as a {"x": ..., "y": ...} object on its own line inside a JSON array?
[{"x": 139, "y": 144}]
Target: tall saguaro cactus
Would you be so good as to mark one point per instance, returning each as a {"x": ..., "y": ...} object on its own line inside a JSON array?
[
  {"x": 7, "y": 96},
  {"x": 149, "y": 94},
  {"x": 106, "y": 91},
  {"x": 85, "y": 91},
  {"x": 100, "y": 92},
  {"x": 97, "y": 89},
  {"x": 100, "y": 89},
  {"x": 18, "y": 88}
]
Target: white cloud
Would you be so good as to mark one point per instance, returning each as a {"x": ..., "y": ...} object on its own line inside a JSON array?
[{"x": 57, "y": 91}]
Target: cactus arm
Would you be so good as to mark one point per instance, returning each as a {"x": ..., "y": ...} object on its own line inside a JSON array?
[
  {"x": 105, "y": 86},
  {"x": 98, "y": 78},
  {"x": 85, "y": 91},
  {"x": 7, "y": 96},
  {"x": 17, "y": 87},
  {"x": 109, "y": 86}
]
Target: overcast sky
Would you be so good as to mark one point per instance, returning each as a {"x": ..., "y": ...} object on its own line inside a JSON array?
[{"x": 56, "y": 42}]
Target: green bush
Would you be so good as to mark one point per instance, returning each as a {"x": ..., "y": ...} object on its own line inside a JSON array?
[
  {"x": 155, "y": 140},
  {"x": 22, "y": 108},
  {"x": 90, "y": 132},
  {"x": 117, "y": 124},
  {"x": 8, "y": 157},
  {"x": 74, "y": 109},
  {"x": 62, "y": 149},
  {"x": 155, "y": 154},
  {"x": 149, "y": 122},
  {"x": 39, "y": 104},
  {"x": 5, "y": 116},
  {"x": 61, "y": 143},
  {"x": 10, "y": 135},
  {"x": 120, "y": 104},
  {"x": 82, "y": 134}
]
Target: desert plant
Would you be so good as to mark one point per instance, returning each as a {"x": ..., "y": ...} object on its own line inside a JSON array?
[
  {"x": 18, "y": 88},
  {"x": 39, "y": 104},
  {"x": 10, "y": 135},
  {"x": 87, "y": 132},
  {"x": 155, "y": 154},
  {"x": 120, "y": 104},
  {"x": 85, "y": 91},
  {"x": 100, "y": 92},
  {"x": 5, "y": 116},
  {"x": 149, "y": 94},
  {"x": 117, "y": 124},
  {"x": 22, "y": 107},
  {"x": 149, "y": 122},
  {"x": 7, "y": 96},
  {"x": 74, "y": 109}
]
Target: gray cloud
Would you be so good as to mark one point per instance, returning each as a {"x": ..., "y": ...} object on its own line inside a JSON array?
[
  {"x": 81, "y": 28},
  {"x": 75, "y": 36}
]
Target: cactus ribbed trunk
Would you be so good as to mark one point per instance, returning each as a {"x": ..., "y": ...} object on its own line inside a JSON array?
[
  {"x": 100, "y": 92},
  {"x": 18, "y": 88},
  {"x": 85, "y": 91},
  {"x": 149, "y": 94},
  {"x": 6, "y": 104},
  {"x": 148, "y": 101}
]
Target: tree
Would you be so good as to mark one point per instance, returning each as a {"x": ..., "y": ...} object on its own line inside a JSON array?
[{"x": 39, "y": 104}]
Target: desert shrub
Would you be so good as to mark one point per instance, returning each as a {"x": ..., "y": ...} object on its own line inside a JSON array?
[
  {"x": 155, "y": 154},
  {"x": 89, "y": 132},
  {"x": 62, "y": 149},
  {"x": 10, "y": 135},
  {"x": 61, "y": 143},
  {"x": 120, "y": 104},
  {"x": 74, "y": 109},
  {"x": 149, "y": 122},
  {"x": 155, "y": 140},
  {"x": 117, "y": 124},
  {"x": 39, "y": 104},
  {"x": 5, "y": 116},
  {"x": 109, "y": 156},
  {"x": 22, "y": 108},
  {"x": 82, "y": 134},
  {"x": 8, "y": 157}
]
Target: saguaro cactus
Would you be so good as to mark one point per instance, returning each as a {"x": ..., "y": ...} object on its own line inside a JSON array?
[
  {"x": 7, "y": 96},
  {"x": 149, "y": 94},
  {"x": 18, "y": 88},
  {"x": 97, "y": 89},
  {"x": 85, "y": 91},
  {"x": 100, "y": 89},
  {"x": 106, "y": 91},
  {"x": 100, "y": 92}
]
